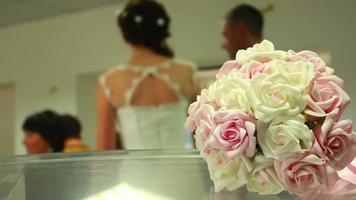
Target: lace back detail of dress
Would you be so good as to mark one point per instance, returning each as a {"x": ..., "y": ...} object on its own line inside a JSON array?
[
  {"x": 150, "y": 127},
  {"x": 151, "y": 71}
]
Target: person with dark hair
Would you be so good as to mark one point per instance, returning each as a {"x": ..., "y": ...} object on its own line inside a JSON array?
[
  {"x": 148, "y": 95},
  {"x": 243, "y": 28},
  {"x": 43, "y": 133},
  {"x": 71, "y": 128}
]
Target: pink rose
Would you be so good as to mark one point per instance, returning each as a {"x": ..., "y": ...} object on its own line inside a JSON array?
[
  {"x": 203, "y": 133},
  {"x": 312, "y": 57},
  {"x": 349, "y": 173},
  {"x": 234, "y": 133},
  {"x": 197, "y": 111},
  {"x": 253, "y": 68},
  {"x": 228, "y": 67},
  {"x": 335, "y": 141},
  {"x": 305, "y": 174},
  {"x": 325, "y": 95}
]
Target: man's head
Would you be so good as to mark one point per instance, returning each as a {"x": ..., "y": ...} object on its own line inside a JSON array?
[
  {"x": 43, "y": 132},
  {"x": 71, "y": 127},
  {"x": 243, "y": 28}
]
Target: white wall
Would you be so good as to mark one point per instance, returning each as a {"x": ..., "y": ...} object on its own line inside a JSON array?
[
  {"x": 86, "y": 106},
  {"x": 39, "y": 55}
]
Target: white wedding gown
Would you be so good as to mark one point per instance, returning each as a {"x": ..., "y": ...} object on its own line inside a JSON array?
[{"x": 152, "y": 127}]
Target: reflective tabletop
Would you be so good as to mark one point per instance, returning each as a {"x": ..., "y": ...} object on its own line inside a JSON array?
[{"x": 153, "y": 174}]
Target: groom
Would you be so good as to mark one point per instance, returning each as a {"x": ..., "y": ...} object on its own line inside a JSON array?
[{"x": 243, "y": 27}]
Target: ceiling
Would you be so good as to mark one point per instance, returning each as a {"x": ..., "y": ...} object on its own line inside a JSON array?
[{"x": 20, "y": 11}]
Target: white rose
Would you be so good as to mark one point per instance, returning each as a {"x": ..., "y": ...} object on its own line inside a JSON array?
[
  {"x": 263, "y": 178},
  {"x": 277, "y": 98},
  {"x": 299, "y": 73},
  {"x": 262, "y": 52},
  {"x": 285, "y": 139},
  {"x": 226, "y": 173},
  {"x": 231, "y": 93}
]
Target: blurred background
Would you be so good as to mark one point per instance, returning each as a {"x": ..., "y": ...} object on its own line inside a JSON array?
[{"x": 52, "y": 52}]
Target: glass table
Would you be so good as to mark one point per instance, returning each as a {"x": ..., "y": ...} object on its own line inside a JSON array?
[{"x": 126, "y": 175}]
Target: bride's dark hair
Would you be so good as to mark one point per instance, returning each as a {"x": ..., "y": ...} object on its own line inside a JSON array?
[{"x": 145, "y": 22}]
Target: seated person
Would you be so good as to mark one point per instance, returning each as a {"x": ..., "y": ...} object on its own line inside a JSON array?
[
  {"x": 71, "y": 128},
  {"x": 43, "y": 133}
]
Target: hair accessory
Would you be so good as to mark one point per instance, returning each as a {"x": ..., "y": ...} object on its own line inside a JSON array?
[
  {"x": 160, "y": 22},
  {"x": 138, "y": 19}
]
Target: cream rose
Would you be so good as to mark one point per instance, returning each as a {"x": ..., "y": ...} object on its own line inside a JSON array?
[
  {"x": 277, "y": 98},
  {"x": 298, "y": 73},
  {"x": 263, "y": 179},
  {"x": 231, "y": 93},
  {"x": 261, "y": 52},
  {"x": 226, "y": 173},
  {"x": 286, "y": 139}
]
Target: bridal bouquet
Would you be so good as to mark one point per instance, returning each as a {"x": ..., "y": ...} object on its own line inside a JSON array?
[{"x": 272, "y": 121}]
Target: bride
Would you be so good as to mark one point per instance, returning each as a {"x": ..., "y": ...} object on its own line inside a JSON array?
[{"x": 147, "y": 96}]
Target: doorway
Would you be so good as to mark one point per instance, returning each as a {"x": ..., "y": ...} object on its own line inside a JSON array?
[{"x": 7, "y": 119}]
